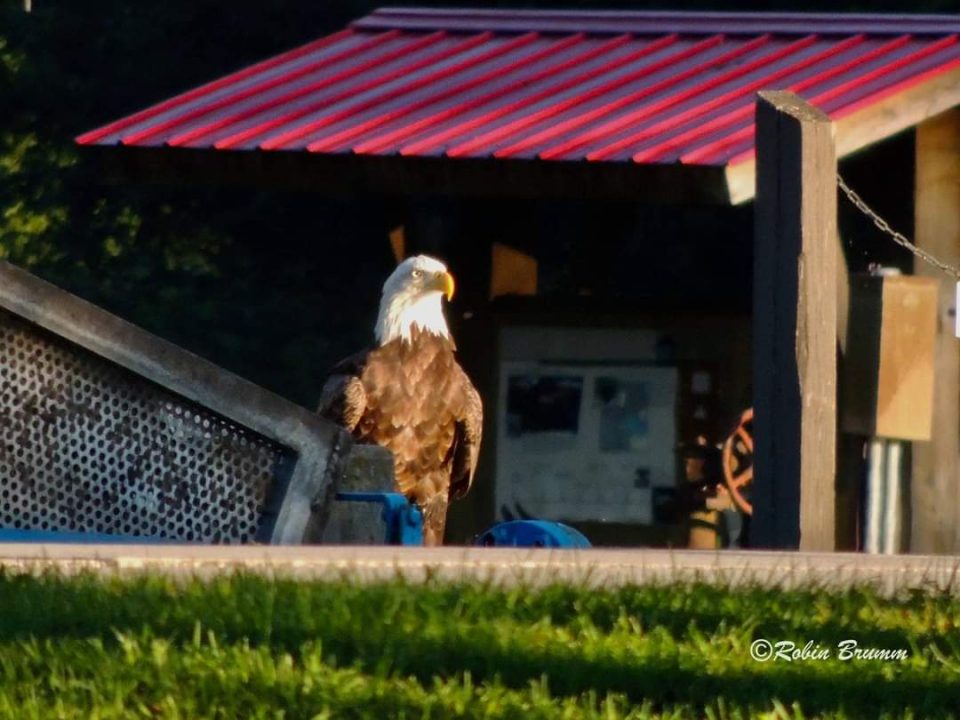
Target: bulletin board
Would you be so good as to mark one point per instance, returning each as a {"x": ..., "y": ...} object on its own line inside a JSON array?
[{"x": 584, "y": 441}]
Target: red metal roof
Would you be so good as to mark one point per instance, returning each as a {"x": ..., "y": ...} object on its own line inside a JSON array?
[{"x": 647, "y": 87}]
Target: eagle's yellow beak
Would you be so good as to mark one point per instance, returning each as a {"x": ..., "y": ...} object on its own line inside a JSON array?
[{"x": 445, "y": 284}]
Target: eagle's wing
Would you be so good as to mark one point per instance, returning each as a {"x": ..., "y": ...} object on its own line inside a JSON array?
[
  {"x": 343, "y": 399},
  {"x": 469, "y": 431}
]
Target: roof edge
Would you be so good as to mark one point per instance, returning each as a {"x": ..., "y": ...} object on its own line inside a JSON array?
[{"x": 653, "y": 22}]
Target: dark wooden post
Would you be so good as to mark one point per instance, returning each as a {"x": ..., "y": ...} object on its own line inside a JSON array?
[
  {"x": 935, "y": 524},
  {"x": 795, "y": 325}
]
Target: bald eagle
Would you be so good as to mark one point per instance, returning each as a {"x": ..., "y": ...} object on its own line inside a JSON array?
[{"x": 409, "y": 394}]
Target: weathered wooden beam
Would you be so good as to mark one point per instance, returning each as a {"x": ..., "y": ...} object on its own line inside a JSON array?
[
  {"x": 872, "y": 123},
  {"x": 795, "y": 326},
  {"x": 898, "y": 112},
  {"x": 347, "y": 175},
  {"x": 935, "y": 524}
]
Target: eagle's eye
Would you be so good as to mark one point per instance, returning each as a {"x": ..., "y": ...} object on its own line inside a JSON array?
[{"x": 417, "y": 273}]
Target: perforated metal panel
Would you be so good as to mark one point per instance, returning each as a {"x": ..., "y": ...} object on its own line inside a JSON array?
[{"x": 86, "y": 445}]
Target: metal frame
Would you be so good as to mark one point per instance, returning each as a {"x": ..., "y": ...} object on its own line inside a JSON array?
[{"x": 296, "y": 508}]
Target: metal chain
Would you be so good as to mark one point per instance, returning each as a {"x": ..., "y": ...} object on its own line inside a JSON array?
[{"x": 898, "y": 238}]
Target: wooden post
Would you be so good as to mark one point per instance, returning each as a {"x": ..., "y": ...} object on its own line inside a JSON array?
[
  {"x": 935, "y": 513},
  {"x": 795, "y": 326}
]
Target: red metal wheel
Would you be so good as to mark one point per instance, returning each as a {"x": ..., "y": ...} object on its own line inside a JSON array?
[{"x": 737, "y": 461}]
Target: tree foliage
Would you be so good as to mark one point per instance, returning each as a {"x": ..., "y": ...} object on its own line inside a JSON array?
[{"x": 254, "y": 281}]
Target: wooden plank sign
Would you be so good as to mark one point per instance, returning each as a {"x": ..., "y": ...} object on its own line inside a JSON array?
[
  {"x": 888, "y": 378},
  {"x": 514, "y": 272}
]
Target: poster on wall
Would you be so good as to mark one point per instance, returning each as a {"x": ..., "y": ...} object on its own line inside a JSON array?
[{"x": 584, "y": 442}]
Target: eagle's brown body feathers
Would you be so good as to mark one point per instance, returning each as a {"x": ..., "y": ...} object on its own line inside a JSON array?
[{"x": 412, "y": 397}]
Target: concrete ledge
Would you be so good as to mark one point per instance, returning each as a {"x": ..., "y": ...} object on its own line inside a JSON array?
[{"x": 508, "y": 566}]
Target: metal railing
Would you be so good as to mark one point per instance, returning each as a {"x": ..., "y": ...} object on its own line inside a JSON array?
[{"x": 105, "y": 428}]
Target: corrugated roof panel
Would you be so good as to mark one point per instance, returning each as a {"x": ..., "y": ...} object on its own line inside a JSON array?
[
  {"x": 872, "y": 81},
  {"x": 522, "y": 82},
  {"x": 327, "y": 85},
  {"x": 670, "y": 136},
  {"x": 619, "y": 86},
  {"x": 529, "y": 124},
  {"x": 612, "y": 61},
  {"x": 621, "y": 139},
  {"x": 249, "y": 131},
  {"x": 655, "y": 98},
  {"x": 455, "y": 86},
  {"x": 466, "y": 61}
]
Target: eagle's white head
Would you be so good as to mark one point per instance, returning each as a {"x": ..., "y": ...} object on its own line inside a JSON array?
[{"x": 413, "y": 295}]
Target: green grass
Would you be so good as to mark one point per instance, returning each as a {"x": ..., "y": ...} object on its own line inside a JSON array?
[{"x": 249, "y": 647}]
